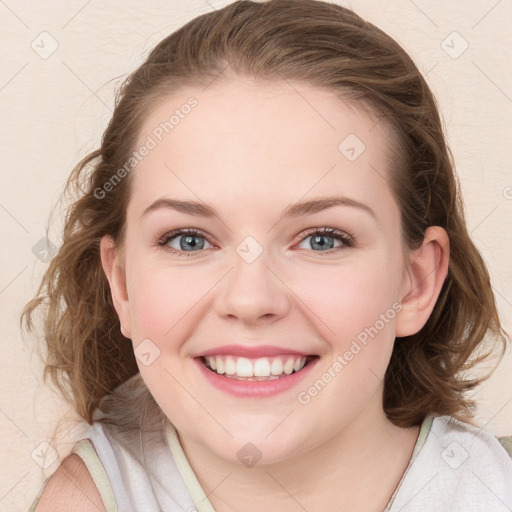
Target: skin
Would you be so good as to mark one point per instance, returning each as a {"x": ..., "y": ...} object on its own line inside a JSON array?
[{"x": 250, "y": 149}]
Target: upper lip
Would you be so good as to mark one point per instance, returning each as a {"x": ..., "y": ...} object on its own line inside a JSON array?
[{"x": 252, "y": 352}]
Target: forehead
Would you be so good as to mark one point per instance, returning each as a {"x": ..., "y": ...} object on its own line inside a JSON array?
[{"x": 247, "y": 137}]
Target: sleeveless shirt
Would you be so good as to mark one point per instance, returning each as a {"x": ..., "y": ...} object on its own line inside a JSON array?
[{"x": 454, "y": 467}]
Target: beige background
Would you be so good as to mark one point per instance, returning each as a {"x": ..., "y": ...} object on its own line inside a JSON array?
[{"x": 55, "y": 107}]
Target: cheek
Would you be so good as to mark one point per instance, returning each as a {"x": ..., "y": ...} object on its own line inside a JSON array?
[
  {"x": 164, "y": 300},
  {"x": 354, "y": 307},
  {"x": 354, "y": 312},
  {"x": 350, "y": 298}
]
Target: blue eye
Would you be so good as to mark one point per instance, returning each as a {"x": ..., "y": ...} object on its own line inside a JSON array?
[
  {"x": 324, "y": 239},
  {"x": 189, "y": 241}
]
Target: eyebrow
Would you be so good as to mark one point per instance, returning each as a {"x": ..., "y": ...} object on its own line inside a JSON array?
[{"x": 295, "y": 210}]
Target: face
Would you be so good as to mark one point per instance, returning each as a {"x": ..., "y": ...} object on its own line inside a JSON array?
[{"x": 259, "y": 285}]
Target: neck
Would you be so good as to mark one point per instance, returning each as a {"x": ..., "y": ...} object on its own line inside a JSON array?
[{"x": 368, "y": 453}]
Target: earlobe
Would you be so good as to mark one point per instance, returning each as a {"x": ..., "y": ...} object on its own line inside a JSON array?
[
  {"x": 428, "y": 268},
  {"x": 114, "y": 271}
]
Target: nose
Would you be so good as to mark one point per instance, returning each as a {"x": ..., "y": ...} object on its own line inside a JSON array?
[{"x": 253, "y": 292}]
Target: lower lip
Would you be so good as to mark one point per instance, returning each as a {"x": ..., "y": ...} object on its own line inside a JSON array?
[{"x": 253, "y": 388}]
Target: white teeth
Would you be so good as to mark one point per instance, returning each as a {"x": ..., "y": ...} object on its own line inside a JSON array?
[
  {"x": 263, "y": 368},
  {"x": 230, "y": 366},
  {"x": 244, "y": 367},
  {"x": 276, "y": 368},
  {"x": 288, "y": 367}
]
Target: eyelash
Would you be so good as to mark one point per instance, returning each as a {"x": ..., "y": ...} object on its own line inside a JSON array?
[{"x": 348, "y": 240}]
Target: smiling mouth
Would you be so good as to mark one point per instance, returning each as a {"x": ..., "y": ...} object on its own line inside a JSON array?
[{"x": 260, "y": 369}]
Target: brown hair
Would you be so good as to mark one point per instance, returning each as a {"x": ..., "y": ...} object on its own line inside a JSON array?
[{"x": 306, "y": 41}]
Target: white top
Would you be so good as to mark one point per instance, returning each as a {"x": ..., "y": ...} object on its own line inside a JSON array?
[{"x": 454, "y": 467}]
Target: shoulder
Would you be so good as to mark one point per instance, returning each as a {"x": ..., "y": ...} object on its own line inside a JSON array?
[
  {"x": 457, "y": 467},
  {"x": 71, "y": 487},
  {"x": 473, "y": 460},
  {"x": 468, "y": 442}
]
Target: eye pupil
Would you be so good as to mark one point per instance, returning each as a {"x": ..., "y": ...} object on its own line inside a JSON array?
[
  {"x": 317, "y": 240},
  {"x": 192, "y": 241}
]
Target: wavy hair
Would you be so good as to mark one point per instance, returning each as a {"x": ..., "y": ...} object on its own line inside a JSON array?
[{"x": 319, "y": 44}]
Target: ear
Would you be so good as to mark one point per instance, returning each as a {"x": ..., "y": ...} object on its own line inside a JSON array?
[
  {"x": 427, "y": 271},
  {"x": 115, "y": 272}
]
